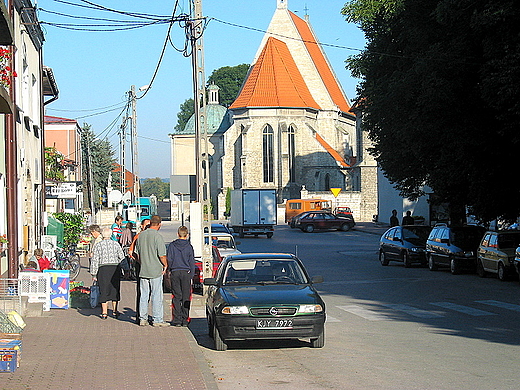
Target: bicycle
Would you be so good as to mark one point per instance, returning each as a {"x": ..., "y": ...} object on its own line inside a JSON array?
[{"x": 67, "y": 259}]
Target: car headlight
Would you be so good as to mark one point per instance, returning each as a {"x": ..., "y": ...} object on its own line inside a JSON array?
[
  {"x": 416, "y": 249},
  {"x": 310, "y": 309},
  {"x": 468, "y": 254},
  {"x": 235, "y": 310}
]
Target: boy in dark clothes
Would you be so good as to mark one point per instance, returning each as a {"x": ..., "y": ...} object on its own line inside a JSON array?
[{"x": 181, "y": 264}]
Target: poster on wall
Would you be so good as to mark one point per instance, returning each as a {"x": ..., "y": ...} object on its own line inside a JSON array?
[{"x": 59, "y": 288}]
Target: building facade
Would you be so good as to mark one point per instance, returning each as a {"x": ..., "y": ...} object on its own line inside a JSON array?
[{"x": 23, "y": 89}]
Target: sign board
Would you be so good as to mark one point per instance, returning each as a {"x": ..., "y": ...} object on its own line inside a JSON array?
[
  {"x": 66, "y": 190},
  {"x": 335, "y": 191}
]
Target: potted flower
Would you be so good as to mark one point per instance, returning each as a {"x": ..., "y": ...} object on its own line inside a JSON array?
[
  {"x": 3, "y": 241},
  {"x": 5, "y": 70}
]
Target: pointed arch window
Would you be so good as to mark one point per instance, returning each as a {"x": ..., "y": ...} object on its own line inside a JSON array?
[
  {"x": 268, "y": 153},
  {"x": 291, "y": 153}
]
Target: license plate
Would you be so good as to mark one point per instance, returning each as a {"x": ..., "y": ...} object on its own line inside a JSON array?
[{"x": 274, "y": 324}]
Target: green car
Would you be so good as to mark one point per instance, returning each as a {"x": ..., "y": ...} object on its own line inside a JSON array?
[{"x": 496, "y": 253}]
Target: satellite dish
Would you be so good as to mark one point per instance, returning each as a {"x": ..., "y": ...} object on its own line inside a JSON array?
[{"x": 114, "y": 196}]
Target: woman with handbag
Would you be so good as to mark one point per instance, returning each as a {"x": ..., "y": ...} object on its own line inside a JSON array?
[{"x": 104, "y": 268}]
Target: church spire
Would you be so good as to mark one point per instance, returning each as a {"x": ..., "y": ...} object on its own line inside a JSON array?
[{"x": 282, "y": 4}]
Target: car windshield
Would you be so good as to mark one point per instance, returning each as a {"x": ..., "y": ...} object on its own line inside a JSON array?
[
  {"x": 225, "y": 242},
  {"x": 416, "y": 234},
  {"x": 466, "y": 237},
  {"x": 218, "y": 228},
  {"x": 260, "y": 271},
  {"x": 511, "y": 240}
]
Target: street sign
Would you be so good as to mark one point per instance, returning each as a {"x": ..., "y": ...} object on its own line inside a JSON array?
[{"x": 335, "y": 191}]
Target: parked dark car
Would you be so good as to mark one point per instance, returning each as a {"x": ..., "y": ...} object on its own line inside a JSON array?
[
  {"x": 405, "y": 244},
  {"x": 343, "y": 210},
  {"x": 516, "y": 261},
  {"x": 220, "y": 228},
  {"x": 454, "y": 247},
  {"x": 197, "y": 277},
  {"x": 314, "y": 220},
  {"x": 496, "y": 253},
  {"x": 264, "y": 296}
]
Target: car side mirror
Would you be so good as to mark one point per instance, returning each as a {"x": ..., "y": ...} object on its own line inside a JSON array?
[
  {"x": 445, "y": 240},
  {"x": 237, "y": 243},
  {"x": 397, "y": 239},
  {"x": 210, "y": 282},
  {"x": 317, "y": 279}
]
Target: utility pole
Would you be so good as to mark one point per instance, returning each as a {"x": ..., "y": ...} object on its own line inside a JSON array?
[
  {"x": 135, "y": 160},
  {"x": 123, "y": 156},
  {"x": 201, "y": 135}
]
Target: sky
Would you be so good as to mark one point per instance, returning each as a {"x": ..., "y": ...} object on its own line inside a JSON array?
[{"x": 95, "y": 69}]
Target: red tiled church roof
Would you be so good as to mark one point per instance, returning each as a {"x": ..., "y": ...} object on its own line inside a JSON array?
[
  {"x": 321, "y": 63},
  {"x": 335, "y": 155},
  {"x": 275, "y": 81}
]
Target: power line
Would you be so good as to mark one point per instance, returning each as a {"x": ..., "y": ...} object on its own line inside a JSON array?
[
  {"x": 87, "y": 109},
  {"x": 285, "y": 36}
]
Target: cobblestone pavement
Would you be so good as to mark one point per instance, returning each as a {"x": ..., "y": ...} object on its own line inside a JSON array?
[{"x": 76, "y": 349}]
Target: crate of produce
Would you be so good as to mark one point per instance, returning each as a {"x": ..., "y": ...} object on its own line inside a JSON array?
[
  {"x": 80, "y": 297},
  {"x": 8, "y": 360}
]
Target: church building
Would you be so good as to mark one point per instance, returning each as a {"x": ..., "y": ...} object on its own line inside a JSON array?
[{"x": 291, "y": 128}]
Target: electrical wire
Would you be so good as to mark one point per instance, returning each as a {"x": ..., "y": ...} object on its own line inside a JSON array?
[
  {"x": 162, "y": 52},
  {"x": 88, "y": 109}
]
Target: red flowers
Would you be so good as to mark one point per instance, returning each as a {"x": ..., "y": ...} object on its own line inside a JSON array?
[{"x": 5, "y": 70}]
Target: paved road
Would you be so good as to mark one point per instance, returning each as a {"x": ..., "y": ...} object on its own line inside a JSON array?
[{"x": 388, "y": 327}]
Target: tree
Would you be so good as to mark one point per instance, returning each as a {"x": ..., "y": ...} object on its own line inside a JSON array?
[
  {"x": 438, "y": 99},
  {"x": 98, "y": 159},
  {"x": 54, "y": 169},
  {"x": 228, "y": 78},
  {"x": 156, "y": 187},
  {"x": 73, "y": 227},
  {"x": 186, "y": 111}
]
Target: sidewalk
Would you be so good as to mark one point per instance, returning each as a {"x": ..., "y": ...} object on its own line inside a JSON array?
[
  {"x": 371, "y": 228},
  {"x": 75, "y": 349}
]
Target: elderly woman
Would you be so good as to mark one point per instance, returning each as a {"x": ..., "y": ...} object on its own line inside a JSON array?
[{"x": 104, "y": 267}]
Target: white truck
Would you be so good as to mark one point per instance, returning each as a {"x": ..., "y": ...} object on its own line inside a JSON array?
[{"x": 253, "y": 212}]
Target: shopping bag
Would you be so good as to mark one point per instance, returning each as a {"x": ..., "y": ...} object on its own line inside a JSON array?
[{"x": 94, "y": 295}]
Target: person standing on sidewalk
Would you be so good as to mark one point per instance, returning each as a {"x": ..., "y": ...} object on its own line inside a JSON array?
[
  {"x": 151, "y": 252},
  {"x": 181, "y": 264},
  {"x": 104, "y": 267}
]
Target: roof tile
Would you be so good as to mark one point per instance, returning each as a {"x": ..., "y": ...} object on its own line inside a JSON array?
[{"x": 275, "y": 81}]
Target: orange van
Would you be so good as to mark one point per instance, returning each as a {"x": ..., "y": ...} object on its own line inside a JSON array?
[{"x": 294, "y": 207}]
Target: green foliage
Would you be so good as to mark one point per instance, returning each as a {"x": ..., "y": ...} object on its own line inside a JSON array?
[
  {"x": 156, "y": 187},
  {"x": 73, "y": 226},
  {"x": 187, "y": 109},
  {"x": 98, "y": 158},
  {"x": 438, "y": 99},
  {"x": 229, "y": 79},
  {"x": 228, "y": 202},
  {"x": 54, "y": 169}
]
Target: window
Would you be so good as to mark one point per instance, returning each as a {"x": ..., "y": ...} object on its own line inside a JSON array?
[
  {"x": 292, "y": 154},
  {"x": 268, "y": 154},
  {"x": 295, "y": 206}
]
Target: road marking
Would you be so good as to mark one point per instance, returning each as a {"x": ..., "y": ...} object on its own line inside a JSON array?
[
  {"x": 413, "y": 311},
  {"x": 463, "y": 309},
  {"x": 364, "y": 313},
  {"x": 331, "y": 319},
  {"x": 503, "y": 305}
]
